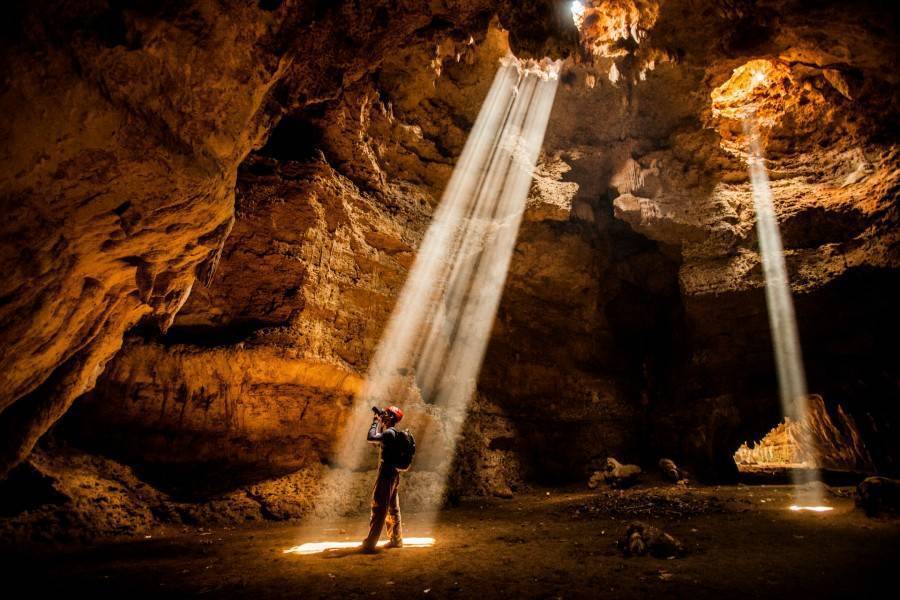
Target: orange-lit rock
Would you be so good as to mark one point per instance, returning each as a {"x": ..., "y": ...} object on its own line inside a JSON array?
[
  {"x": 633, "y": 321},
  {"x": 607, "y": 26},
  {"x": 757, "y": 89},
  {"x": 119, "y": 167},
  {"x": 261, "y": 366},
  {"x": 819, "y": 441}
]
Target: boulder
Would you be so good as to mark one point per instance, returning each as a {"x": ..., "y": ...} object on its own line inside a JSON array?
[
  {"x": 615, "y": 474},
  {"x": 640, "y": 539},
  {"x": 878, "y": 495},
  {"x": 671, "y": 471}
]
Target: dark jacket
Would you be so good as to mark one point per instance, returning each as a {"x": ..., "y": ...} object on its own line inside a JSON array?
[{"x": 389, "y": 443}]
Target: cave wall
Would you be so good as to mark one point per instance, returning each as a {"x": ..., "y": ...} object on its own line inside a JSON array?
[
  {"x": 823, "y": 113},
  {"x": 633, "y": 322},
  {"x": 119, "y": 166},
  {"x": 126, "y": 135},
  {"x": 260, "y": 368},
  {"x": 319, "y": 251}
]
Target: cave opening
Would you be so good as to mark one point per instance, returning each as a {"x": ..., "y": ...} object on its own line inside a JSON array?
[{"x": 296, "y": 137}]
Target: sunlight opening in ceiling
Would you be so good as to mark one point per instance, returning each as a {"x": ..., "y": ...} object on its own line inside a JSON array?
[{"x": 577, "y": 13}]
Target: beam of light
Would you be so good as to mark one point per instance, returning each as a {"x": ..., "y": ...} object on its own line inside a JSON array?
[
  {"x": 318, "y": 547},
  {"x": 818, "y": 509},
  {"x": 431, "y": 351},
  {"x": 782, "y": 320}
]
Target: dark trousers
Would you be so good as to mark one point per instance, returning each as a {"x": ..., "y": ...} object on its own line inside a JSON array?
[{"x": 385, "y": 506}]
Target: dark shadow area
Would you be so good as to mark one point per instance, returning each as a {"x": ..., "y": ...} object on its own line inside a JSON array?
[
  {"x": 574, "y": 555},
  {"x": 787, "y": 475},
  {"x": 24, "y": 488},
  {"x": 854, "y": 360},
  {"x": 602, "y": 354},
  {"x": 296, "y": 137},
  {"x": 206, "y": 336},
  {"x": 198, "y": 482}
]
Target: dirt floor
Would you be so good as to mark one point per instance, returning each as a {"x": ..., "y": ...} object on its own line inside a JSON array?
[{"x": 741, "y": 541}]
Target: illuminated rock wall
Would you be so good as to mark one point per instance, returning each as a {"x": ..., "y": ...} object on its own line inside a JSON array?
[
  {"x": 633, "y": 323},
  {"x": 819, "y": 441},
  {"x": 120, "y": 160}
]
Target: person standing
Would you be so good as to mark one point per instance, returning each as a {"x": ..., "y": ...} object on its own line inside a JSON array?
[{"x": 397, "y": 449}]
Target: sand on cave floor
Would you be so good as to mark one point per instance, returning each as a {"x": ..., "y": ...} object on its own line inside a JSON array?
[{"x": 741, "y": 541}]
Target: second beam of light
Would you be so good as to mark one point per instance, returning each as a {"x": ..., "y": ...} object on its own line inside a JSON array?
[{"x": 782, "y": 319}]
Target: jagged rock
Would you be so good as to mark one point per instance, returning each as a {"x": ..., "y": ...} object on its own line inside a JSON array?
[
  {"x": 489, "y": 460},
  {"x": 640, "y": 538},
  {"x": 878, "y": 495},
  {"x": 671, "y": 471},
  {"x": 615, "y": 474},
  {"x": 819, "y": 440}
]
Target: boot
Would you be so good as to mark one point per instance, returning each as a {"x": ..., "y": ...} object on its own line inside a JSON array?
[{"x": 394, "y": 543}]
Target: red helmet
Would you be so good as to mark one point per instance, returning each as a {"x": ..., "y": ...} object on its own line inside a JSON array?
[{"x": 395, "y": 412}]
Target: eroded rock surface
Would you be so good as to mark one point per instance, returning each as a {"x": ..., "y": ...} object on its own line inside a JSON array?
[
  {"x": 633, "y": 322},
  {"x": 119, "y": 167},
  {"x": 65, "y": 495},
  {"x": 817, "y": 441}
]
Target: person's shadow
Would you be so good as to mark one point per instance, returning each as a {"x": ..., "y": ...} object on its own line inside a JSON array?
[{"x": 342, "y": 552}]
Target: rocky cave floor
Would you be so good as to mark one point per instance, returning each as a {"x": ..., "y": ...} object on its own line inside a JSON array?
[{"x": 550, "y": 543}]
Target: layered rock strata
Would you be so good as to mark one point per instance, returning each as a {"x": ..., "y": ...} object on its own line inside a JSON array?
[
  {"x": 119, "y": 165},
  {"x": 633, "y": 323}
]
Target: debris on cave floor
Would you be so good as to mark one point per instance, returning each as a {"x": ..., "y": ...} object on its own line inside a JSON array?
[
  {"x": 877, "y": 496},
  {"x": 615, "y": 474},
  {"x": 76, "y": 497},
  {"x": 640, "y": 539},
  {"x": 663, "y": 501},
  {"x": 672, "y": 472},
  {"x": 64, "y": 495},
  {"x": 522, "y": 545},
  {"x": 71, "y": 496}
]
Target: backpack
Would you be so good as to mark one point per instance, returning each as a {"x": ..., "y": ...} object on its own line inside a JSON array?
[{"x": 405, "y": 450}]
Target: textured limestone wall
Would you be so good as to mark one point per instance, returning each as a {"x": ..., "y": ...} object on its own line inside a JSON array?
[
  {"x": 120, "y": 160},
  {"x": 634, "y": 309},
  {"x": 817, "y": 441},
  {"x": 633, "y": 323},
  {"x": 260, "y": 367}
]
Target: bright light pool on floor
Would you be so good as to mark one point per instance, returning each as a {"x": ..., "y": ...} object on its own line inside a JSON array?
[
  {"x": 317, "y": 547},
  {"x": 797, "y": 508}
]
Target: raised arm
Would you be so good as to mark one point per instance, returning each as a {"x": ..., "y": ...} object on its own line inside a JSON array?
[{"x": 376, "y": 436}]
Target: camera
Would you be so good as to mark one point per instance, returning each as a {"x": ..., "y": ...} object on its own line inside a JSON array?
[{"x": 378, "y": 411}]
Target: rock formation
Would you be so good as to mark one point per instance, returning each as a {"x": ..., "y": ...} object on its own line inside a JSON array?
[
  {"x": 119, "y": 167},
  {"x": 818, "y": 441},
  {"x": 288, "y": 155},
  {"x": 640, "y": 539}
]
